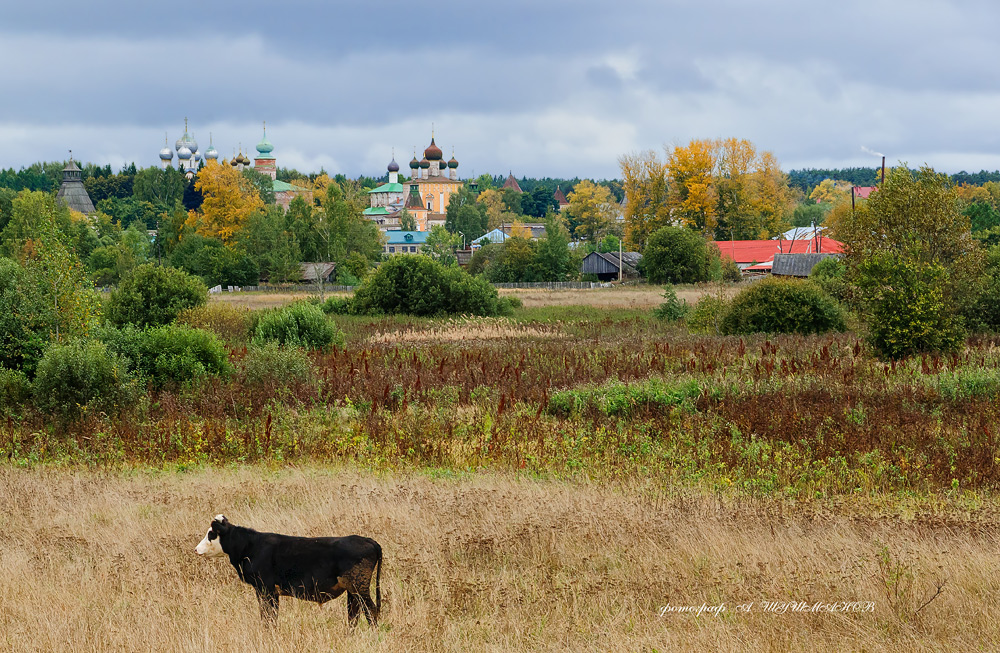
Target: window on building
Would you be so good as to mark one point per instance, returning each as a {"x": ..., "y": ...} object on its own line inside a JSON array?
[{"x": 392, "y": 250}]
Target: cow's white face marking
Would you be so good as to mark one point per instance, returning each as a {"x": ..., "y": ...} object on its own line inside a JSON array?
[
  {"x": 210, "y": 547},
  {"x": 219, "y": 518}
]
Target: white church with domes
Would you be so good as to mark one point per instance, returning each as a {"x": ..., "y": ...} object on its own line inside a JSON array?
[{"x": 189, "y": 159}]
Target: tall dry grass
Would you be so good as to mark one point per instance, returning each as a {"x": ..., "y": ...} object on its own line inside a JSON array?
[{"x": 104, "y": 561}]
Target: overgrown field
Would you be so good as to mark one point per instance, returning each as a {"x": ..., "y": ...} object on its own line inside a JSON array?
[
  {"x": 570, "y": 392},
  {"x": 98, "y": 561}
]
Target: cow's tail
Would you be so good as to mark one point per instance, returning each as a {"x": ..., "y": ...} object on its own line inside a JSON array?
[{"x": 378, "y": 584}]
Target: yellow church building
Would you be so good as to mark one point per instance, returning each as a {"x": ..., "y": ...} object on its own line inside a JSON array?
[{"x": 425, "y": 196}]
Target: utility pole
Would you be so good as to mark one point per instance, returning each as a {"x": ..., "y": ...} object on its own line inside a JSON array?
[{"x": 620, "y": 263}]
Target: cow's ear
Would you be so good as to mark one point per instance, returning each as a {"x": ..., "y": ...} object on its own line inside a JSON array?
[{"x": 220, "y": 524}]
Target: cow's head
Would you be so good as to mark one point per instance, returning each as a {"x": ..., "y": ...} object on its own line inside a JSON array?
[{"x": 211, "y": 546}]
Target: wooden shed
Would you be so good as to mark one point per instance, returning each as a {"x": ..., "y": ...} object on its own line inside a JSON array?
[
  {"x": 605, "y": 265},
  {"x": 796, "y": 265}
]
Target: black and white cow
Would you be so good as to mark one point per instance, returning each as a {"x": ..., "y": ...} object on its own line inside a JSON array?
[{"x": 312, "y": 568}]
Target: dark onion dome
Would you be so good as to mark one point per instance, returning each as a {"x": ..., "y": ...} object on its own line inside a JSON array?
[
  {"x": 433, "y": 152},
  {"x": 414, "y": 164},
  {"x": 393, "y": 166},
  {"x": 453, "y": 163},
  {"x": 235, "y": 162},
  {"x": 424, "y": 163}
]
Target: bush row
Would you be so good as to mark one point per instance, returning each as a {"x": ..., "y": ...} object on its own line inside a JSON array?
[{"x": 773, "y": 305}]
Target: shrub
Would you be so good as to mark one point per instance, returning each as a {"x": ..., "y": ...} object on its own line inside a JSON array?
[
  {"x": 231, "y": 323},
  {"x": 418, "y": 285},
  {"x": 673, "y": 308},
  {"x": 26, "y": 318},
  {"x": 906, "y": 307},
  {"x": 706, "y": 316},
  {"x": 783, "y": 306},
  {"x": 337, "y": 306},
  {"x": 152, "y": 295},
  {"x": 514, "y": 302},
  {"x": 828, "y": 274},
  {"x": 125, "y": 342},
  {"x": 301, "y": 324},
  {"x": 175, "y": 354},
  {"x": 676, "y": 255},
  {"x": 273, "y": 364},
  {"x": 15, "y": 390},
  {"x": 82, "y": 376},
  {"x": 984, "y": 314}
]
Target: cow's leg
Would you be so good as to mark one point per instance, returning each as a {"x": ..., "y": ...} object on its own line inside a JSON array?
[
  {"x": 371, "y": 614},
  {"x": 268, "y": 605},
  {"x": 353, "y": 608}
]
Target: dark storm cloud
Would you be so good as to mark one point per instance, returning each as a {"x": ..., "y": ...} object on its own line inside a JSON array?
[{"x": 558, "y": 87}]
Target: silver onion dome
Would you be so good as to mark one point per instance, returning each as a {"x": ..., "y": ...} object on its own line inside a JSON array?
[
  {"x": 183, "y": 152},
  {"x": 166, "y": 154}
]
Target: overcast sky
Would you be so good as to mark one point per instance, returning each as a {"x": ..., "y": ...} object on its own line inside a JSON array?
[{"x": 542, "y": 87}]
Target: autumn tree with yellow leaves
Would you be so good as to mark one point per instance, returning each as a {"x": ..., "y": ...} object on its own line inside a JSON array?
[
  {"x": 644, "y": 180},
  {"x": 692, "y": 198},
  {"x": 230, "y": 200},
  {"x": 724, "y": 188},
  {"x": 592, "y": 209}
]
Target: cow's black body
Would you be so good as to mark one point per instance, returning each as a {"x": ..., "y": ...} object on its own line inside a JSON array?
[{"x": 311, "y": 568}]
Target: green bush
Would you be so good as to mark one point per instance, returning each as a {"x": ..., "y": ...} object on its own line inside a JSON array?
[
  {"x": 828, "y": 274},
  {"x": 125, "y": 342},
  {"x": 82, "y": 376},
  {"x": 706, "y": 316},
  {"x": 26, "y": 318},
  {"x": 174, "y": 354},
  {"x": 676, "y": 255},
  {"x": 15, "y": 390},
  {"x": 300, "y": 324},
  {"x": 418, "y": 285},
  {"x": 273, "y": 364},
  {"x": 514, "y": 302},
  {"x": 907, "y": 311},
  {"x": 673, "y": 308},
  {"x": 783, "y": 306},
  {"x": 337, "y": 306},
  {"x": 171, "y": 354},
  {"x": 984, "y": 314},
  {"x": 152, "y": 296}
]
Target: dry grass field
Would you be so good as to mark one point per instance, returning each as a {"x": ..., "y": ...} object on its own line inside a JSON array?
[
  {"x": 643, "y": 296},
  {"x": 104, "y": 561}
]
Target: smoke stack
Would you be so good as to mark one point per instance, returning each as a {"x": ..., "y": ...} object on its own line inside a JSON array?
[{"x": 883, "y": 170}]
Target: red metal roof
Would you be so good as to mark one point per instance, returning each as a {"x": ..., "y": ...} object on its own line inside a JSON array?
[
  {"x": 863, "y": 192},
  {"x": 749, "y": 251}
]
